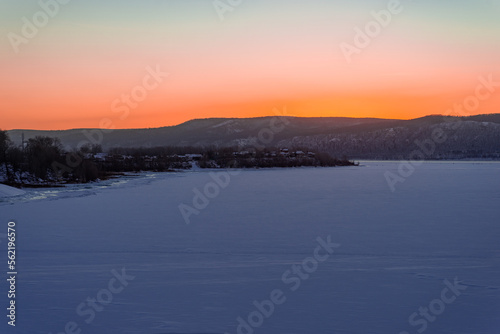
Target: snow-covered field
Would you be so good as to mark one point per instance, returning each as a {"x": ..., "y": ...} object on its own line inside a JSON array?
[
  {"x": 118, "y": 256},
  {"x": 6, "y": 191}
]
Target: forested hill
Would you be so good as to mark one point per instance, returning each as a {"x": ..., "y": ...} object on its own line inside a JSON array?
[{"x": 462, "y": 137}]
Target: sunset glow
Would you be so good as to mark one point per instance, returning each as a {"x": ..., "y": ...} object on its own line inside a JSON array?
[{"x": 262, "y": 56}]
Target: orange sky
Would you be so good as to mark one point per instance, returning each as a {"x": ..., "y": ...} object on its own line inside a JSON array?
[{"x": 79, "y": 68}]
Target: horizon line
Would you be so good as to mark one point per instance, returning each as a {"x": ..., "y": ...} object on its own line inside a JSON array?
[{"x": 244, "y": 118}]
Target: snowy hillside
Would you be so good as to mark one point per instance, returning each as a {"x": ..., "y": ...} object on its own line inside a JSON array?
[{"x": 6, "y": 191}]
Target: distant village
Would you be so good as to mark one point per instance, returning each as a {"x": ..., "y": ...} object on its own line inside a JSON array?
[
  {"x": 141, "y": 159},
  {"x": 43, "y": 161}
]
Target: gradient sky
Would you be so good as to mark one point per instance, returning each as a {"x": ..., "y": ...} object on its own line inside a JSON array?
[{"x": 265, "y": 54}]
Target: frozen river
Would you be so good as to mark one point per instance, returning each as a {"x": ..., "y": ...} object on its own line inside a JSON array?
[{"x": 279, "y": 251}]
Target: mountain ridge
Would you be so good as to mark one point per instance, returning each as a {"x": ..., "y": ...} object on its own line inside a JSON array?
[{"x": 353, "y": 137}]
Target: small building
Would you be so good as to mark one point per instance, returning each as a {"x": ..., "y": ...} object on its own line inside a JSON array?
[{"x": 194, "y": 156}]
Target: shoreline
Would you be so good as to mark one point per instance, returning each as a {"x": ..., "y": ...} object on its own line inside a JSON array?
[{"x": 117, "y": 175}]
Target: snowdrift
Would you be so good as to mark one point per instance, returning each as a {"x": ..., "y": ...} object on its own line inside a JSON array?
[{"x": 6, "y": 191}]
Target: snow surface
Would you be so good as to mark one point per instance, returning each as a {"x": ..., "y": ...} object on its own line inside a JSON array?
[
  {"x": 396, "y": 249},
  {"x": 6, "y": 191}
]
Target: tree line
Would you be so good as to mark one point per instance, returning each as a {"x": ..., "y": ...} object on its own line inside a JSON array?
[
  {"x": 42, "y": 160},
  {"x": 36, "y": 160}
]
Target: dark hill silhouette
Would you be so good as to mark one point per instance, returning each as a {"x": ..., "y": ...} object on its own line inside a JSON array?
[{"x": 477, "y": 137}]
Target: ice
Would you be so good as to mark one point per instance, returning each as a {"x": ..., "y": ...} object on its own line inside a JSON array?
[{"x": 396, "y": 251}]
